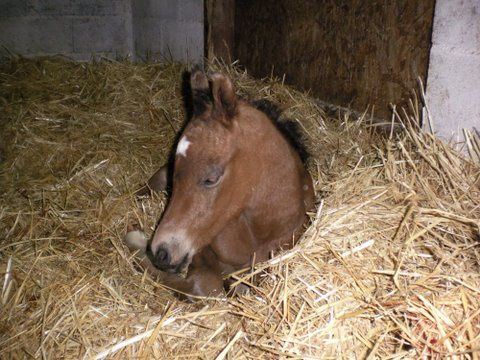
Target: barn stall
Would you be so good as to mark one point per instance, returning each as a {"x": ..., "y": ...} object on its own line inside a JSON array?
[{"x": 390, "y": 264}]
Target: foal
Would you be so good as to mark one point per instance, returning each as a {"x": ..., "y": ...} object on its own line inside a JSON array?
[{"x": 240, "y": 190}]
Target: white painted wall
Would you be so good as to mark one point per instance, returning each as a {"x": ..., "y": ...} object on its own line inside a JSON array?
[{"x": 453, "y": 85}]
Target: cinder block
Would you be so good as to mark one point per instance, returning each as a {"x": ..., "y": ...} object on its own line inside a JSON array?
[
  {"x": 164, "y": 9},
  {"x": 457, "y": 26},
  {"x": 101, "y": 34},
  {"x": 148, "y": 35},
  {"x": 10, "y": 8},
  {"x": 37, "y": 35},
  {"x": 100, "y": 7},
  {"x": 160, "y": 9},
  {"x": 183, "y": 41},
  {"x": 191, "y": 10},
  {"x": 167, "y": 29},
  {"x": 139, "y": 8},
  {"x": 453, "y": 91},
  {"x": 88, "y": 56},
  {"x": 48, "y": 7}
]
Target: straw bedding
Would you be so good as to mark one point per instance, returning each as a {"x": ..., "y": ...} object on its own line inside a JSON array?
[{"x": 389, "y": 268}]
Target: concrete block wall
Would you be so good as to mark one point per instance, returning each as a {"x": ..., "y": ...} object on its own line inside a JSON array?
[
  {"x": 179, "y": 35},
  {"x": 453, "y": 90},
  {"x": 80, "y": 29}
]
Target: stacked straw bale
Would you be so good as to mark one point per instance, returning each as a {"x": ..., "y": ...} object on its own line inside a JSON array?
[{"x": 389, "y": 268}]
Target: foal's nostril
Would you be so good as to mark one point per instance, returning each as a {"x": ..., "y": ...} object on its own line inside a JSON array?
[{"x": 162, "y": 257}]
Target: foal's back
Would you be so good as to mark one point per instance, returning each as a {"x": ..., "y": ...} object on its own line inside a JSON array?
[{"x": 283, "y": 190}]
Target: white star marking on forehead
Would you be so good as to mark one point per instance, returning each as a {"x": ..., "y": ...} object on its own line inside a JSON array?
[{"x": 182, "y": 146}]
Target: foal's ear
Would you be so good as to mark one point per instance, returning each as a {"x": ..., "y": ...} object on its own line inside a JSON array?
[
  {"x": 201, "y": 95},
  {"x": 224, "y": 98},
  {"x": 198, "y": 79}
]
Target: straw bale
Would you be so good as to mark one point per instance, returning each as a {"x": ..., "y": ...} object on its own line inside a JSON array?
[{"x": 389, "y": 267}]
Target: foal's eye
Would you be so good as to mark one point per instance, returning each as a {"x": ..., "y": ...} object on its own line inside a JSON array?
[{"x": 212, "y": 179}]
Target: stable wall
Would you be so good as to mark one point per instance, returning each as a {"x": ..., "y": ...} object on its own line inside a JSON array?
[
  {"x": 453, "y": 87},
  {"x": 349, "y": 53},
  {"x": 158, "y": 29},
  {"x": 169, "y": 29}
]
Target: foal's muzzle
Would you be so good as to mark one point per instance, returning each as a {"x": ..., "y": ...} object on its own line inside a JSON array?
[{"x": 161, "y": 259}]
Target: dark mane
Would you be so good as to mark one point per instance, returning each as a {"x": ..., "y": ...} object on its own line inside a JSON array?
[{"x": 288, "y": 128}]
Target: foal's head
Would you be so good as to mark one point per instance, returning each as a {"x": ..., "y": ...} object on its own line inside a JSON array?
[{"x": 208, "y": 175}]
